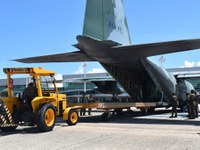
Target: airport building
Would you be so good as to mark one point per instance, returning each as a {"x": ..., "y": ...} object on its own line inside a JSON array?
[{"x": 66, "y": 82}]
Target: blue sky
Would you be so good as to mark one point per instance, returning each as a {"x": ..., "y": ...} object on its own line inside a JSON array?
[{"x": 41, "y": 27}]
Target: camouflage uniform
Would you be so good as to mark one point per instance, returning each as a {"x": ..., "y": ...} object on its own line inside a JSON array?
[
  {"x": 174, "y": 106},
  {"x": 192, "y": 105},
  {"x": 188, "y": 104},
  {"x": 82, "y": 111},
  {"x": 195, "y": 103}
]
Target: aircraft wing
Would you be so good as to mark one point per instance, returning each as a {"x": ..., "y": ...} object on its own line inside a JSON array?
[
  {"x": 77, "y": 56},
  {"x": 117, "y": 53},
  {"x": 152, "y": 49}
]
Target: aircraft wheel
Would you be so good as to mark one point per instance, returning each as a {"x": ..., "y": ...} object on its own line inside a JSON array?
[{"x": 105, "y": 116}]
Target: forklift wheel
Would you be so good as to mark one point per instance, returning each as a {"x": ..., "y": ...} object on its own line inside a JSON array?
[
  {"x": 7, "y": 129},
  {"x": 45, "y": 118},
  {"x": 73, "y": 117}
]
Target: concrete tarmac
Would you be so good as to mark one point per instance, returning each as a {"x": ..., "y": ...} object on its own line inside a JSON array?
[{"x": 131, "y": 131}]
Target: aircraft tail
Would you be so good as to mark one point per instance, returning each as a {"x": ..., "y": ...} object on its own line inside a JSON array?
[{"x": 106, "y": 20}]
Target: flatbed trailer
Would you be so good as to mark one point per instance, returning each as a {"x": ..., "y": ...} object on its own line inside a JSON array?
[{"x": 117, "y": 107}]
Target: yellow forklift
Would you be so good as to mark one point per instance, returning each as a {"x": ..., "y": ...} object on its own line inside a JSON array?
[{"x": 42, "y": 109}]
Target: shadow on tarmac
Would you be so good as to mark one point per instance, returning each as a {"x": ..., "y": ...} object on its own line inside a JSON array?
[
  {"x": 129, "y": 117},
  {"x": 25, "y": 130}
]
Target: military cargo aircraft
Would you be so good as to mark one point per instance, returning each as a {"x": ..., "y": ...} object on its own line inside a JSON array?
[{"x": 106, "y": 39}]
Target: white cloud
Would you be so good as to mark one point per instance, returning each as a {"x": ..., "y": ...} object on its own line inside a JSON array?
[
  {"x": 188, "y": 64},
  {"x": 191, "y": 64},
  {"x": 93, "y": 70},
  {"x": 198, "y": 64},
  {"x": 58, "y": 77},
  {"x": 97, "y": 70},
  {"x": 80, "y": 70}
]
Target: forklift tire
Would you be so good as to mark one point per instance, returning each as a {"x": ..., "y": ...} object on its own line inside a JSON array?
[
  {"x": 45, "y": 118},
  {"x": 7, "y": 129},
  {"x": 73, "y": 117}
]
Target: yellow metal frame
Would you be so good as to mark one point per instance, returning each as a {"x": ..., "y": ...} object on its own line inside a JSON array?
[
  {"x": 10, "y": 102},
  {"x": 54, "y": 97},
  {"x": 67, "y": 110},
  {"x": 49, "y": 117}
]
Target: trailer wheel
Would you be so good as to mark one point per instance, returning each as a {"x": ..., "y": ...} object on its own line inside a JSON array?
[
  {"x": 105, "y": 116},
  {"x": 7, "y": 129},
  {"x": 144, "y": 111},
  {"x": 45, "y": 118},
  {"x": 72, "y": 117},
  {"x": 118, "y": 111},
  {"x": 151, "y": 109}
]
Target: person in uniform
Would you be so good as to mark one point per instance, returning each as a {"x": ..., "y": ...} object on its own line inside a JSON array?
[
  {"x": 192, "y": 99},
  {"x": 188, "y": 104},
  {"x": 90, "y": 100},
  {"x": 174, "y": 105},
  {"x": 82, "y": 110},
  {"x": 196, "y": 105}
]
